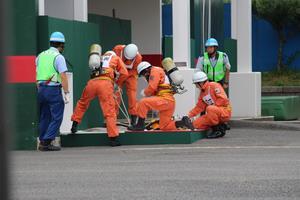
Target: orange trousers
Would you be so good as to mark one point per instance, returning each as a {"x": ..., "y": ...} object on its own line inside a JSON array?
[
  {"x": 103, "y": 89},
  {"x": 214, "y": 115},
  {"x": 165, "y": 107},
  {"x": 131, "y": 88}
]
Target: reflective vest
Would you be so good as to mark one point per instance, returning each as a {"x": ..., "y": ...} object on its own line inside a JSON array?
[
  {"x": 46, "y": 70},
  {"x": 214, "y": 73}
]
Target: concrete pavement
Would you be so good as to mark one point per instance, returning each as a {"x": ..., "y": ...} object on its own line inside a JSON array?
[{"x": 246, "y": 164}]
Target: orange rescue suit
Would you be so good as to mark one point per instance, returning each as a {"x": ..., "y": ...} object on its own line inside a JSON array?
[
  {"x": 159, "y": 97},
  {"x": 103, "y": 88},
  {"x": 215, "y": 102},
  {"x": 131, "y": 81}
]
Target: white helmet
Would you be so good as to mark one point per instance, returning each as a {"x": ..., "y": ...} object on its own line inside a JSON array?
[
  {"x": 111, "y": 53},
  {"x": 143, "y": 65},
  {"x": 199, "y": 77},
  {"x": 130, "y": 51}
]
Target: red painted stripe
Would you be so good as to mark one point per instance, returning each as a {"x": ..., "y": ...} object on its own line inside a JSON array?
[
  {"x": 153, "y": 59},
  {"x": 21, "y": 69}
]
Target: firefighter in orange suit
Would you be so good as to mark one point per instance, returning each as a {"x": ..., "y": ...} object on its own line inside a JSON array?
[
  {"x": 131, "y": 58},
  {"x": 101, "y": 85},
  {"x": 157, "y": 96},
  {"x": 213, "y": 100}
]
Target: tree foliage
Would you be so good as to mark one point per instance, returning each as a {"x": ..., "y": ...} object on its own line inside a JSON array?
[
  {"x": 166, "y": 1},
  {"x": 284, "y": 15}
]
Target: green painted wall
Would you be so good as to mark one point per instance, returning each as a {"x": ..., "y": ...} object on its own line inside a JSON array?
[
  {"x": 24, "y": 113},
  {"x": 23, "y": 27},
  {"x": 167, "y": 46},
  {"x": 230, "y": 47},
  {"x": 217, "y": 21},
  {"x": 22, "y": 120},
  {"x": 113, "y": 31},
  {"x": 196, "y": 7}
]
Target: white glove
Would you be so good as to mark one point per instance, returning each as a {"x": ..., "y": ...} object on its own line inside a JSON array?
[
  {"x": 143, "y": 93},
  {"x": 66, "y": 98}
]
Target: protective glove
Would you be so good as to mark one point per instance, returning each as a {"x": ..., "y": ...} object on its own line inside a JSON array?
[
  {"x": 143, "y": 93},
  {"x": 67, "y": 97}
]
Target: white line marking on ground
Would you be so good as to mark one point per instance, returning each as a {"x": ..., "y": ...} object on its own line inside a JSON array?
[{"x": 211, "y": 147}]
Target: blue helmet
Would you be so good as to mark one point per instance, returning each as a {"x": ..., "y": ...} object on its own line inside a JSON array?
[
  {"x": 57, "y": 37},
  {"x": 211, "y": 42}
]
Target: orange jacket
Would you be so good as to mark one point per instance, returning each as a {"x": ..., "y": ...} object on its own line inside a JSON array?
[
  {"x": 130, "y": 65},
  {"x": 112, "y": 64},
  {"x": 158, "y": 84},
  {"x": 211, "y": 94}
]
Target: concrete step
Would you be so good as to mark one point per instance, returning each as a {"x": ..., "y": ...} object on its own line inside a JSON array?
[{"x": 99, "y": 138}]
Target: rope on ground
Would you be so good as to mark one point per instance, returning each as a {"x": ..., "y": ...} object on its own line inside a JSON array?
[
  {"x": 124, "y": 111},
  {"x": 124, "y": 106}
]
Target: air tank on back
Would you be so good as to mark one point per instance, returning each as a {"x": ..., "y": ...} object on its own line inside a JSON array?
[{"x": 95, "y": 56}]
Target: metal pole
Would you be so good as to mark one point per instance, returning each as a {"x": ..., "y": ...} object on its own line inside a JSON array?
[
  {"x": 203, "y": 26},
  {"x": 209, "y": 20}
]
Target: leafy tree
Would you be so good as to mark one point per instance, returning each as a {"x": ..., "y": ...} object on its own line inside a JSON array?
[
  {"x": 166, "y": 1},
  {"x": 284, "y": 15}
]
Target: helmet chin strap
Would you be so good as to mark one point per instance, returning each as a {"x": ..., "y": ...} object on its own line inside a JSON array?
[{"x": 146, "y": 74}]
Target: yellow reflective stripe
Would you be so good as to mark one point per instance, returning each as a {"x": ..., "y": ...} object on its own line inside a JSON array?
[
  {"x": 104, "y": 78},
  {"x": 228, "y": 107},
  {"x": 165, "y": 86},
  {"x": 106, "y": 71},
  {"x": 162, "y": 92}
]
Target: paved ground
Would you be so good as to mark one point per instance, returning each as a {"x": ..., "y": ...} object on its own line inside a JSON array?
[{"x": 246, "y": 164}]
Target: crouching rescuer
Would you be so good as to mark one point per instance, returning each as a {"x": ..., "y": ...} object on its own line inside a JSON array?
[
  {"x": 101, "y": 85},
  {"x": 214, "y": 102},
  {"x": 159, "y": 96}
]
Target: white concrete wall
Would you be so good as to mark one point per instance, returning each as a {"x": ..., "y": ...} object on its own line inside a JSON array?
[
  {"x": 64, "y": 9},
  {"x": 145, "y": 19},
  {"x": 245, "y": 94},
  {"x": 241, "y": 29},
  {"x": 181, "y": 32},
  {"x": 245, "y": 85},
  {"x": 67, "y": 123},
  {"x": 186, "y": 101}
]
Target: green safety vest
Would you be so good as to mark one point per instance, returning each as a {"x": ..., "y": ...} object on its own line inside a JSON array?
[
  {"x": 214, "y": 73},
  {"x": 46, "y": 70}
]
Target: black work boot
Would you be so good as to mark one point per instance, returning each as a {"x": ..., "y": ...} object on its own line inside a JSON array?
[
  {"x": 185, "y": 122},
  {"x": 226, "y": 126},
  {"x": 47, "y": 146},
  {"x": 216, "y": 132},
  {"x": 139, "y": 126},
  {"x": 179, "y": 124},
  {"x": 74, "y": 127},
  {"x": 133, "y": 119},
  {"x": 223, "y": 128},
  {"x": 114, "y": 142}
]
